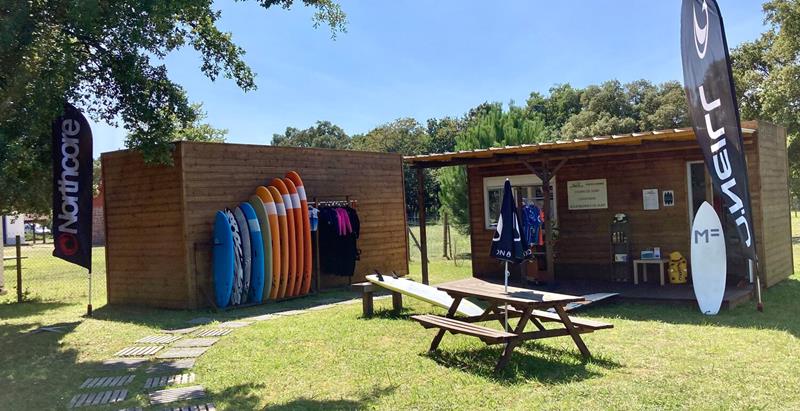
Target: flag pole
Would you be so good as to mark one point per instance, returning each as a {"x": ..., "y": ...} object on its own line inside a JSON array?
[
  {"x": 89, "y": 307},
  {"x": 505, "y": 308}
]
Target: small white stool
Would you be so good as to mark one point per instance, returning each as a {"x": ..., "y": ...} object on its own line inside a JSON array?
[{"x": 645, "y": 262}]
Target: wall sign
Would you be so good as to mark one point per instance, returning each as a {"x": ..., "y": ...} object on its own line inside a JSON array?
[
  {"x": 587, "y": 194},
  {"x": 668, "y": 198},
  {"x": 650, "y": 198}
]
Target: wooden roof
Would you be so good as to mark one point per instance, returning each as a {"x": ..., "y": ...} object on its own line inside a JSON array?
[{"x": 482, "y": 155}]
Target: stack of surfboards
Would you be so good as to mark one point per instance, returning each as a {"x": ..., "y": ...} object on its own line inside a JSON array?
[{"x": 262, "y": 248}]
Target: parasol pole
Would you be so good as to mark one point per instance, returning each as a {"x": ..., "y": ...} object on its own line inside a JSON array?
[{"x": 505, "y": 307}]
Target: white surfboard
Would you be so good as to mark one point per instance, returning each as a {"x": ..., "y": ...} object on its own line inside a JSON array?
[
  {"x": 709, "y": 263},
  {"x": 425, "y": 293}
]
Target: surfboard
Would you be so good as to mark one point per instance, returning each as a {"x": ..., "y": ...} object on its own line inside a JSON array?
[
  {"x": 299, "y": 242},
  {"x": 222, "y": 257},
  {"x": 274, "y": 228},
  {"x": 307, "y": 257},
  {"x": 291, "y": 236},
  {"x": 238, "y": 259},
  {"x": 425, "y": 293},
  {"x": 709, "y": 263},
  {"x": 284, "y": 240},
  {"x": 255, "y": 292},
  {"x": 241, "y": 220},
  {"x": 266, "y": 237}
]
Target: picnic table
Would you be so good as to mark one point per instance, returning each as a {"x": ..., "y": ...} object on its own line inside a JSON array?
[{"x": 526, "y": 304}]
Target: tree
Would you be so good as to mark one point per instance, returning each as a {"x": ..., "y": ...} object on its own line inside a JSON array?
[
  {"x": 197, "y": 130},
  {"x": 562, "y": 103},
  {"x": 105, "y": 57},
  {"x": 322, "y": 135},
  {"x": 767, "y": 76},
  {"x": 405, "y": 136},
  {"x": 493, "y": 128}
]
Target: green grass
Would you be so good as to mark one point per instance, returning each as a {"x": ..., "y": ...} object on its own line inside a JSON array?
[{"x": 656, "y": 357}]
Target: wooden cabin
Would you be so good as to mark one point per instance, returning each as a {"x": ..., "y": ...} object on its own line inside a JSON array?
[
  {"x": 159, "y": 218},
  {"x": 657, "y": 179}
]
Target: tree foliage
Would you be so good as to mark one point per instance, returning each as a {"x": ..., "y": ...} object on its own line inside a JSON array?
[
  {"x": 767, "y": 75},
  {"x": 106, "y": 57},
  {"x": 323, "y": 134}
]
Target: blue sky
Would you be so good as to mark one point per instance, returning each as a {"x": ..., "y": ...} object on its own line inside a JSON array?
[{"x": 426, "y": 59}]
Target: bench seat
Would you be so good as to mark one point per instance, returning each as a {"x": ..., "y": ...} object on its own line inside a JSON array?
[
  {"x": 577, "y": 321},
  {"x": 487, "y": 335}
]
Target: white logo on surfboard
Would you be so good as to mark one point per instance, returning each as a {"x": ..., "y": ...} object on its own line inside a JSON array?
[{"x": 709, "y": 262}]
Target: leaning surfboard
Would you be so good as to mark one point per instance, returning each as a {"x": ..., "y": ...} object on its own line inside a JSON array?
[
  {"x": 238, "y": 259},
  {"x": 425, "y": 293},
  {"x": 307, "y": 257},
  {"x": 266, "y": 237},
  {"x": 709, "y": 262},
  {"x": 256, "y": 290},
  {"x": 241, "y": 220},
  {"x": 290, "y": 237},
  {"x": 274, "y": 228},
  {"x": 298, "y": 235},
  {"x": 284, "y": 237},
  {"x": 222, "y": 260}
]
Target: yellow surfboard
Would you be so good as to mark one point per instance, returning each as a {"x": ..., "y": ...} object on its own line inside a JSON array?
[
  {"x": 299, "y": 240},
  {"x": 307, "y": 264},
  {"x": 275, "y": 240},
  {"x": 291, "y": 237},
  {"x": 284, "y": 237}
]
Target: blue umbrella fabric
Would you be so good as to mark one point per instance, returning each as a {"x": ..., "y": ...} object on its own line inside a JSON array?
[{"x": 507, "y": 241}]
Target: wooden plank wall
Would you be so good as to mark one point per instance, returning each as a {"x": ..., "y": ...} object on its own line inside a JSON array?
[
  {"x": 221, "y": 175},
  {"x": 775, "y": 247},
  {"x": 145, "y": 253},
  {"x": 583, "y": 248}
]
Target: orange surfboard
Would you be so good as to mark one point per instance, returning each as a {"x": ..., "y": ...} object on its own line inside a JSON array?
[
  {"x": 294, "y": 276},
  {"x": 307, "y": 264},
  {"x": 272, "y": 216},
  {"x": 299, "y": 242},
  {"x": 284, "y": 237}
]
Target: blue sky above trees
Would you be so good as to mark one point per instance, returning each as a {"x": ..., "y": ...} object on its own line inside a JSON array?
[{"x": 429, "y": 59}]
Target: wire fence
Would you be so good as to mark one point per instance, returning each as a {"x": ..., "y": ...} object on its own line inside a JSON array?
[{"x": 49, "y": 279}]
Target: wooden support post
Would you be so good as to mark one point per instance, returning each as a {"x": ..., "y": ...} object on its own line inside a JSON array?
[
  {"x": 444, "y": 236},
  {"x": 397, "y": 301},
  {"x": 548, "y": 234},
  {"x": 423, "y": 237},
  {"x": 19, "y": 269}
]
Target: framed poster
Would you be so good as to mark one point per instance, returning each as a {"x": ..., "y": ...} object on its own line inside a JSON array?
[
  {"x": 650, "y": 198},
  {"x": 587, "y": 194}
]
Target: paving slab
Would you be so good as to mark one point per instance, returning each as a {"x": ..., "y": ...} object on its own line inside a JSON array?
[
  {"x": 177, "y": 379},
  {"x": 263, "y": 317},
  {"x": 124, "y": 363},
  {"x": 104, "y": 382},
  {"x": 234, "y": 324},
  {"x": 177, "y": 394},
  {"x": 196, "y": 342},
  {"x": 201, "y": 320},
  {"x": 289, "y": 312},
  {"x": 171, "y": 366},
  {"x": 158, "y": 339},
  {"x": 97, "y": 398},
  {"x": 138, "y": 351},
  {"x": 202, "y": 407},
  {"x": 193, "y": 352},
  {"x": 186, "y": 330},
  {"x": 213, "y": 332}
]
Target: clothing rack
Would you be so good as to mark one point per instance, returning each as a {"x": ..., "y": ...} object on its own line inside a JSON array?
[{"x": 343, "y": 201}]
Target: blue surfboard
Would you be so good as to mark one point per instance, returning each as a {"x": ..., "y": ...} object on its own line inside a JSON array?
[
  {"x": 223, "y": 260},
  {"x": 256, "y": 289}
]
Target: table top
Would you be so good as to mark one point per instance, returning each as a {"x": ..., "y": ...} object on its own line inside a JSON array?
[
  {"x": 484, "y": 290},
  {"x": 651, "y": 260}
]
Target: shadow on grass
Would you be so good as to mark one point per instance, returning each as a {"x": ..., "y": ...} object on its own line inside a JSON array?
[
  {"x": 364, "y": 402},
  {"x": 391, "y": 314},
  {"x": 529, "y": 361},
  {"x": 14, "y": 309},
  {"x": 781, "y": 305}
]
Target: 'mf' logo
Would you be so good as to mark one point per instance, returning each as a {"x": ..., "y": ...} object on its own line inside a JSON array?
[{"x": 705, "y": 234}]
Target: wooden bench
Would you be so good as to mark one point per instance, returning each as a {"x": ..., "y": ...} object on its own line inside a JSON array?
[
  {"x": 368, "y": 290},
  {"x": 487, "y": 335},
  {"x": 576, "y": 321}
]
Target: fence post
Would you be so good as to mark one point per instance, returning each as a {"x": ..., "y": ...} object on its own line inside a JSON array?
[{"x": 19, "y": 269}]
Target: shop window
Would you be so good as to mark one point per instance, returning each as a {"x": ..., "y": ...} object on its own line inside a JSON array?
[{"x": 527, "y": 188}]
